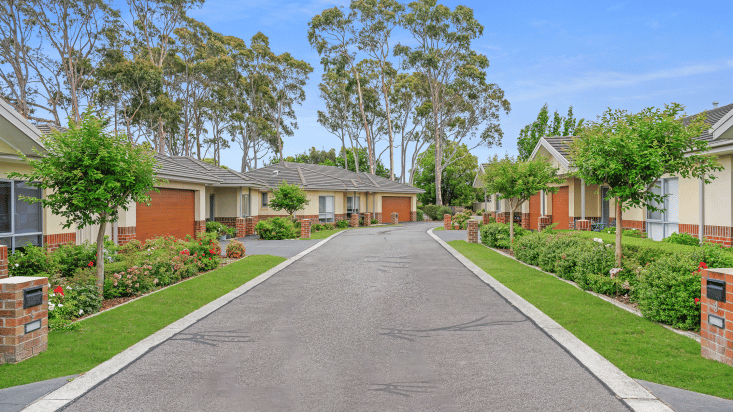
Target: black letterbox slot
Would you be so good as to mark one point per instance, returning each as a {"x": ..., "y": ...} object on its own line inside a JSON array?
[
  {"x": 716, "y": 290},
  {"x": 32, "y": 297}
]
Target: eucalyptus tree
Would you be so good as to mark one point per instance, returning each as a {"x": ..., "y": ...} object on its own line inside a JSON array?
[
  {"x": 336, "y": 92},
  {"x": 17, "y": 48},
  {"x": 378, "y": 18},
  {"x": 333, "y": 34},
  {"x": 462, "y": 101},
  {"x": 70, "y": 29},
  {"x": 411, "y": 115},
  {"x": 289, "y": 78}
]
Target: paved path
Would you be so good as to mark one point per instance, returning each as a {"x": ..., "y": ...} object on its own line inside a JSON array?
[
  {"x": 379, "y": 319},
  {"x": 283, "y": 248}
]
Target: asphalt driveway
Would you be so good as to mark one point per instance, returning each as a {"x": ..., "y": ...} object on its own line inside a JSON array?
[
  {"x": 380, "y": 319},
  {"x": 283, "y": 248}
]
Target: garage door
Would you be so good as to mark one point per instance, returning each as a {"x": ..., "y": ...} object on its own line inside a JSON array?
[
  {"x": 171, "y": 213},
  {"x": 401, "y": 205},
  {"x": 560, "y": 209}
]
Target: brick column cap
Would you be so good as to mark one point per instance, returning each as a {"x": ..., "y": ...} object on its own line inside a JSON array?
[{"x": 20, "y": 279}]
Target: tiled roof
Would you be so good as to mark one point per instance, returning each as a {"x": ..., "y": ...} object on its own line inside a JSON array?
[
  {"x": 560, "y": 144},
  {"x": 48, "y": 128},
  {"x": 712, "y": 117},
  {"x": 226, "y": 177},
  {"x": 170, "y": 169},
  {"x": 319, "y": 177}
]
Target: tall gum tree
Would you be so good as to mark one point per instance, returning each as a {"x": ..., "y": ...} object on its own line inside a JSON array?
[
  {"x": 463, "y": 103},
  {"x": 630, "y": 152}
]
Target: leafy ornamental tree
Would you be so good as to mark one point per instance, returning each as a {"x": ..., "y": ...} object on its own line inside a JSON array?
[
  {"x": 630, "y": 152},
  {"x": 463, "y": 104},
  {"x": 91, "y": 175},
  {"x": 531, "y": 133},
  {"x": 457, "y": 188},
  {"x": 288, "y": 197},
  {"x": 518, "y": 180}
]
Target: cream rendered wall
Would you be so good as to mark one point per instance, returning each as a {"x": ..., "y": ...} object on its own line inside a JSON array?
[
  {"x": 718, "y": 196},
  {"x": 226, "y": 201}
]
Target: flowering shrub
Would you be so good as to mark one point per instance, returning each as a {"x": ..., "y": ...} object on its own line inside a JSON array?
[
  {"x": 235, "y": 249},
  {"x": 462, "y": 218},
  {"x": 668, "y": 291},
  {"x": 32, "y": 261}
]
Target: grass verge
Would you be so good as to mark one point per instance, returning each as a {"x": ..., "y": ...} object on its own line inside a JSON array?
[
  {"x": 322, "y": 234},
  {"x": 640, "y": 348},
  {"x": 635, "y": 241},
  {"x": 109, "y": 333}
]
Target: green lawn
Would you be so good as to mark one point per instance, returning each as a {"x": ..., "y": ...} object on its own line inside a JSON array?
[
  {"x": 104, "y": 336},
  {"x": 322, "y": 234},
  {"x": 640, "y": 348}
]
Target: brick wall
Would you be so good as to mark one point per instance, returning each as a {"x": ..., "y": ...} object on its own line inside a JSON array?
[
  {"x": 199, "y": 227},
  {"x": 53, "y": 242},
  {"x": 367, "y": 219},
  {"x": 227, "y": 221},
  {"x": 250, "y": 223},
  {"x": 717, "y": 343},
  {"x": 544, "y": 222},
  {"x": 15, "y": 344},
  {"x": 126, "y": 234},
  {"x": 502, "y": 217},
  {"x": 447, "y": 222},
  {"x": 3, "y": 262},
  {"x": 582, "y": 224},
  {"x": 413, "y": 216},
  {"x": 721, "y": 235},
  {"x": 630, "y": 224},
  {"x": 486, "y": 217},
  {"x": 354, "y": 220},
  {"x": 241, "y": 226},
  {"x": 525, "y": 221}
]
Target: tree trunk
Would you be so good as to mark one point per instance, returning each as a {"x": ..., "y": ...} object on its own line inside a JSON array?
[
  {"x": 279, "y": 142},
  {"x": 366, "y": 124},
  {"x": 619, "y": 232},
  {"x": 438, "y": 166},
  {"x": 100, "y": 256},
  {"x": 389, "y": 128}
]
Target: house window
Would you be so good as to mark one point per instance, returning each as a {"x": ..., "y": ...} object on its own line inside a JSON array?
[
  {"x": 245, "y": 206},
  {"x": 264, "y": 199},
  {"x": 21, "y": 222},
  {"x": 352, "y": 205},
  {"x": 326, "y": 209},
  {"x": 211, "y": 207},
  {"x": 662, "y": 223}
]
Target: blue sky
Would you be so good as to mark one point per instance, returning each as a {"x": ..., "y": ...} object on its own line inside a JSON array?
[{"x": 591, "y": 55}]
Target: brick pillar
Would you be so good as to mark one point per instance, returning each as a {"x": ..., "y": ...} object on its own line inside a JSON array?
[
  {"x": 241, "y": 225},
  {"x": 305, "y": 228},
  {"x": 413, "y": 216},
  {"x": 126, "y": 234},
  {"x": 367, "y": 219},
  {"x": 582, "y": 224},
  {"x": 716, "y": 320},
  {"x": 15, "y": 344},
  {"x": 395, "y": 218},
  {"x": 473, "y": 231},
  {"x": 199, "y": 227},
  {"x": 486, "y": 218},
  {"x": 354, "y": 220},
  {"x": 446, "y": 222},
  {"x": 525, "y": 221},
  {"x": 543, "y": 222},
  {"x": 3, "y": 263}
]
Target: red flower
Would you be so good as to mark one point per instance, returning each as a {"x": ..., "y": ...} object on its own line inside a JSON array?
[
  {"x": 59, "y": 290},
  {"x": 211, "y": 251},
  {"x": 209, "y": 258},
  {"x": 91, "y": 264},
  {"x": 702, "y": 265},
  {"x": 697, "y": 301}
]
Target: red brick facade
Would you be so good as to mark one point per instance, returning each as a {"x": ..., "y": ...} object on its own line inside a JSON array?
[
  {"x": 249, "y": 225},
  {"x": 241, "y": 227},
  {"x": 544, "y": 222},
  {"x": 305, "y": 228},
  {"x": 199, "y": 227},
  {"x": 446, "y": 222},
  {"x": 15, "y": 344},
  {"x": 354, "y": 221},
  {"x": 716, "y": 234},
  {"x": 53, "y": 242},
  {"x": 367, "y": 219},
  {"x": 473, "y": 231},
  {"x": 125, "y": 234},
  {"x": 3, "y": 262},
  {"x": 582, "y": 224},
  {"x": 525, "y": 221},
  {"x": 413, "y": 216},
  {"x": 717, "y": 343},
  {"x": 630, "y": 224},
  {"x": 502, "y": 217}
]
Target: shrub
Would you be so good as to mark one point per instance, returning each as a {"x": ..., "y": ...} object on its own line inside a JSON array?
[
  {"x": 235, "y": 249},
  {"x": 276, "y": 228},
  {"x": 682, "y": 239},
  {"x": 316, "y": 227},
  {"x": 328, "y": 226},
  {"x": 462, "y": 218},
  {"x": 667, "y": 291},
  {"x": 626, "y": 232},
  {"x": 342, "y": 224},
  {"x": 28, "y": 262},
  {"x": 436, "y": 212},
  {"x": 132, "y": 246},
  {"x": 67, "y": 258},
  {"x": 496, "y": 235},
  {"x": 216, "y": 227},
  {"x": 375, "y": 221},
  {"x": 420, "y": 215}
]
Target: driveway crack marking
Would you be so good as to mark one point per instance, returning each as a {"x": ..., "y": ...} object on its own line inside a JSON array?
[
  {"x": 472, "y": 326},
  {"x": 403, "y": 388}
]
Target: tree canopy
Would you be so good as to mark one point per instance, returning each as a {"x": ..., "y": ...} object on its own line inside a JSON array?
[
  {"x": 560, "y": 126},
  {"x": 290, "y": 198},
  {"x": 457, "y": 188}
]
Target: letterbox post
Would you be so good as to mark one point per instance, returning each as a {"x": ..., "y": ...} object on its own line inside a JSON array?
[
  {"x": 24, "y": 319},
  {"x": 716, "y": 320}
]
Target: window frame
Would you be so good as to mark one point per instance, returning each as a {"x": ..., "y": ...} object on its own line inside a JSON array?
[
  {"x": 265, "y": 199},
  {"x": 351, "y": 210},
  {"x": 667, "y": 226},
  {"x": 246, "y": 205},
  {"x": 12, "y": 235},
  {"x": 323, "y": 217}
]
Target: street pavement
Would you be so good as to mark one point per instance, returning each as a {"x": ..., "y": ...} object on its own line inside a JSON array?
[
  {"x": 380, "y": 319},
  {"x": 283, "y": 248}
]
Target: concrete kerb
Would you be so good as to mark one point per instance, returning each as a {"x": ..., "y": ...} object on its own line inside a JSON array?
[
  {"x": 627, "y": 389},
  {"x": 78, "y": 387}
]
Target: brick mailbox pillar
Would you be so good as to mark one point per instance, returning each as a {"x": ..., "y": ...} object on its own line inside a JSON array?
[
  {"x": 354, "y": 220},
  {"x": 241, "y": 225},
  {"x": 24, "y": 318},
  {"x": 543, "y": 222},
  {"x": 582, "y": 224},
  {"x": 3, "y": 263},
  {"x": 716, "y": 323},
  {"x": 305, "y": 228},
  {"x": 249, "y": 226},
  {"x": 473, "y": 231},
  {"x": 367, "y": 219},
  {"x": 446, "y": 222},
  {"x": 395, "y": 218}
]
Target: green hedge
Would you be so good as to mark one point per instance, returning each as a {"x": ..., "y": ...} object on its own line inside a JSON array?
[
  {"x": 497, "y": 235},
  {"x": 277, "y": 228}
]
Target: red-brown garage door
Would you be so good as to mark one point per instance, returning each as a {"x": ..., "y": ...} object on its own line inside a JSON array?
[
  {"x": 171, "y": 213},
  {"x": 560, "y": 209},
  {"x": 401, "y": 205}
]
